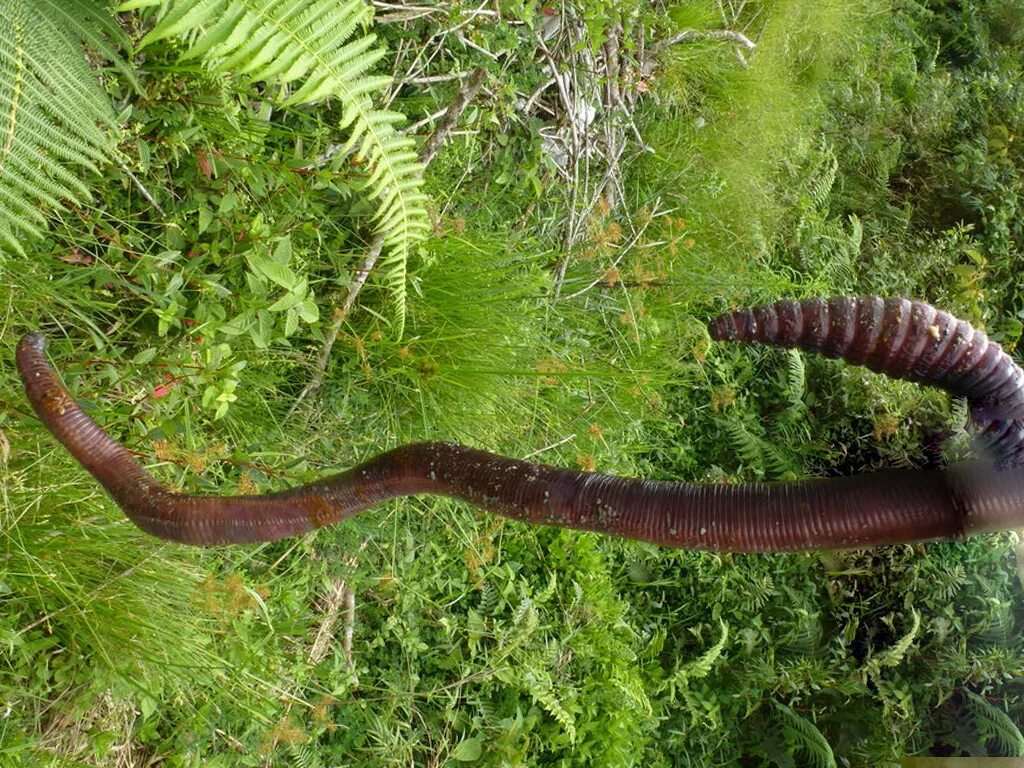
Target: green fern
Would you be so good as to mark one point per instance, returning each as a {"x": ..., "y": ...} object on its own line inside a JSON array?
[
  {"x": 748, "y": 445},
  {"x": 891, "y": 657},
  {"x": 304, "y": 756},
  {"x": 821, "y": 179},
  {"x": 55, "y": 114},
  {"x": 803, "y": 735},
  {"x": 538, "y": 682},
  {"x": 794, "y": 384},
  {"x": 994, "y": 724},
  {"x": 699, "y": 667},
  {"x": 313, "y": 44}
]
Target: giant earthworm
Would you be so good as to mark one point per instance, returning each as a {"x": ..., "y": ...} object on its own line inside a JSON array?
[{"x": 904, "y": 505}]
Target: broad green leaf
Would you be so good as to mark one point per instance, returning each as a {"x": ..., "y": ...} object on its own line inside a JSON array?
[
  {"x": 279, "y": 273},
  {"x": 287, "y": 301},
  {"x": 283, "y": 250},
  {"x": 468, "y": 750},
  {"x": 308, "y": 311}
]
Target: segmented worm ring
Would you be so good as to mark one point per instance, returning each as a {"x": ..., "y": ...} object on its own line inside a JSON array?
[{"x": 903, "y": 339}]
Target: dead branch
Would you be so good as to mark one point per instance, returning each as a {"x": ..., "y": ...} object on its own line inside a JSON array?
[
  {"x": 336, "y": 595},
  {"x": 142, "y": 189},
  {"x": 349, "y": 626},
  {"x": 451, "y": 116},
  {"x": 341, "y": 312},
  {"x": 431, "y": 79},
  {"x": 713, "y": 34}
]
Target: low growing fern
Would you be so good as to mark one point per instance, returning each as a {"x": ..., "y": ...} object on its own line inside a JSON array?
[
  {"x": 313, "y": 44},
  {"x": 803, "y": 736},
  {"x": 699, "y": 667},
  {"x": 993, "y": 724},
  {"x": 895, "y": 654},
  {"x": 56, "y": 118}
]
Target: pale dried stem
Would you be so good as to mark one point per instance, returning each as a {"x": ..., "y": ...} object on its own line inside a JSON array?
[
  {"x": 349, "y": 627},
  {"x": 341, "y": 312},
  {"x": 712, "y": 34},
  {"x": 333, "y": 602},
  {"x": 451, "y": 116},
  {"x": 424, "y": 121},
  {"x": 431, "y": 79},
  {"x": 142, "y": 189}
]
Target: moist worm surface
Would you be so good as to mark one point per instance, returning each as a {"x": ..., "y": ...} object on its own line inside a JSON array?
[
  {"x": 863, "y": 510},
  {"x": 906, "y": 340}
]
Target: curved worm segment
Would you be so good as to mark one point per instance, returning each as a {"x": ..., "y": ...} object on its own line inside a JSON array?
[{"x": 903, "y": 339}]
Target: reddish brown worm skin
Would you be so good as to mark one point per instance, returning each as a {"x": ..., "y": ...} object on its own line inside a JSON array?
[
  {"x": 906, "y": 340},
  {"x": 860, "y": 511}
]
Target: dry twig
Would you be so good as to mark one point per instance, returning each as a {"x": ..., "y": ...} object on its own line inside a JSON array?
[
  {"x": 336, "y": 595},
  {"x": 142, "y": 189},
  {"x": 340, "y": 313},
  {"x": 713, "y": 34},
  {"x": 452, "y": 114}
]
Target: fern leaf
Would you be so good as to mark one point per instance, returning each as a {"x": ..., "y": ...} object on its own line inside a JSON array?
[
  {"x": 183, "y": 17},
  {"x": 538, "y": 683},
  {"x": 54, "y": 114},
  {"x": 796, "y": 380},
  {"x": 894, "y": 655},
  {"x": 823, "y": 178},
  {"x": 699, "y": 667},
  {"x": 304, "y": 756},
  {"x": 314, "y": 44},
  {"x": 994, "y": 724},
  {"x": 803, "y": 735},
  {"x": 97, "y": 28},
  {"x": 746, "y": 444}
]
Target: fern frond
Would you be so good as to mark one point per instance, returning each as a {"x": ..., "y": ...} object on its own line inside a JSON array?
[
  {"x": 994, "y": 724},
  {"x": 747, "y": 445},
  {"x": 314, "y": 45},
  {"x": 538, "y": 682},
  {"x": 95, "y": 26},
  {"x": 54, "y": 113},
  {"x": 822, "y": 179},
  {"x": 891, "y": 657},
  {"x": 803, "y": 735},
  {"x": 304, "y": 756},
  {"x": 699, "y": 667},
  {"x": 795, "y": 384}
]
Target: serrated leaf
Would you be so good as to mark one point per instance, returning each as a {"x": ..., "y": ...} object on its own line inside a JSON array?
[
  {"x": 287, "y": 301},
  {"x": 205, "y": 219},
  {"x": 308, "y": 311},
  {"x": 283, "y": 250}
]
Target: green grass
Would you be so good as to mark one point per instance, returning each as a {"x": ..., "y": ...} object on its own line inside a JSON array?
[{"x": 814, "y": 169}]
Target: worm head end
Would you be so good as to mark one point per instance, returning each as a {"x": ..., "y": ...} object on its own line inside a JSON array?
[{"x": 33, "y": 341}]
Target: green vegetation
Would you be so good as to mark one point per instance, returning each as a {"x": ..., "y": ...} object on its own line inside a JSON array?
[{"x": 184, "y": 209}]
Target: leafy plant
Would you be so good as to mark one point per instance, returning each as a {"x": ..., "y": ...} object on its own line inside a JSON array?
[
  {"x": 994, "y": 724},
  {"x": 56, "y": 118},
  {"x": 309, "y": 44}
]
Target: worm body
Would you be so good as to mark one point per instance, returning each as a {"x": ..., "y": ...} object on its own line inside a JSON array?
[
  {"x": 864, "y": 510},
  {"x": 906, "y": 340}
]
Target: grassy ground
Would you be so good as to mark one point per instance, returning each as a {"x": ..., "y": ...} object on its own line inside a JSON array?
[{"x": 557, "y": 312}]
